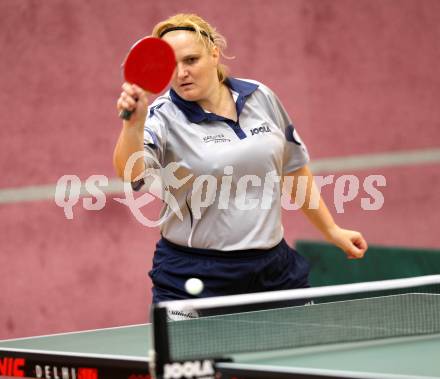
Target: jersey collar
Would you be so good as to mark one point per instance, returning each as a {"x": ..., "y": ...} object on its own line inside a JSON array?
[{"x": 195, "y": 113}]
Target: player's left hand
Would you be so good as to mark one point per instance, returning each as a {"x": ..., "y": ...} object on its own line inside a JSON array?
[{"x": 350, "y": 241}]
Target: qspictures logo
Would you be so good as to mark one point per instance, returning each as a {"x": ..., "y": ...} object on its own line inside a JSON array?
[{"x": 249, "y": 191}]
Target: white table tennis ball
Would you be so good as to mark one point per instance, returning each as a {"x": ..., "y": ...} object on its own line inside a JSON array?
[{"x": 194, "y": 286}]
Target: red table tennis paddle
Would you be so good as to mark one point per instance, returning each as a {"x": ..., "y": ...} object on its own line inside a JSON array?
[{"x": 150, "y": 64}]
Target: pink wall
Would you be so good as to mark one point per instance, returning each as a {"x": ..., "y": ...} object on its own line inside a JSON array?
[{"x": 357, "y": 76}]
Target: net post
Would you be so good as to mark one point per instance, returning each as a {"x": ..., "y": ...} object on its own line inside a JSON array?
[{"x": 160, "y": 340}]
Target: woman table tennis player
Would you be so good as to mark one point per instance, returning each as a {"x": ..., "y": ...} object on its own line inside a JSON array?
[{"x": 237, "y": 132}]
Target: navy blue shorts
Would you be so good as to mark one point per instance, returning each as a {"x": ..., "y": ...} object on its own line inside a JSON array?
[{"x": 225, "y": 273}]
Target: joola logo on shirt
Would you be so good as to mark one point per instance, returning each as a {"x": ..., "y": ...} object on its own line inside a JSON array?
[{"x": 262, "y": 129}]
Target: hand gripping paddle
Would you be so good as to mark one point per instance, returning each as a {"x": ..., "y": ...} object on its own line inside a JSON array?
[{"x": 150, "y": 64}]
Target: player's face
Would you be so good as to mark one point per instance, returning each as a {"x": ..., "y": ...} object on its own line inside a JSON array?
[{"x": 195, "y": 77}]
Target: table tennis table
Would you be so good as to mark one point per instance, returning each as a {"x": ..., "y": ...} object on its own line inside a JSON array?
[{"x": 124, "y": 352}]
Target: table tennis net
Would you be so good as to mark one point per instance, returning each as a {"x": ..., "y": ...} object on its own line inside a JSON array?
[{"x": 336, "y": 318}]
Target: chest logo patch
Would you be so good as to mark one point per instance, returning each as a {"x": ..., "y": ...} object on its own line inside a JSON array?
[
  {"x": 264, "y": 128},
  {"x": 218, "y": 138}
]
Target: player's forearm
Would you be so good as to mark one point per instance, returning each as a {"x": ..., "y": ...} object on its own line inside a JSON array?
[
  {"x": 321, "y": 218},
  {"x": 313, "y": 205},
  {"x": 130, "y": 141}
]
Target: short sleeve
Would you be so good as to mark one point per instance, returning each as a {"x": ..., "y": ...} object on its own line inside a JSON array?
[
  {"x": 155, "y": 134},
  {"x": 295, "y": 150},
  {"x": 154, "y": 141}
]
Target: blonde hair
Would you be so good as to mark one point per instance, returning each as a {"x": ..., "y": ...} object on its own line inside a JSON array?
[{"x": 206, "y": 34}]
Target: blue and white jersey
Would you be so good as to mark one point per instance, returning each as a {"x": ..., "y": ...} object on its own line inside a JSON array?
[{"x": 224, "y": 175}]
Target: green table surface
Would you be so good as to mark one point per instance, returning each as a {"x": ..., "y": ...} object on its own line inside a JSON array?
[{"x": 412, "y": 356}]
